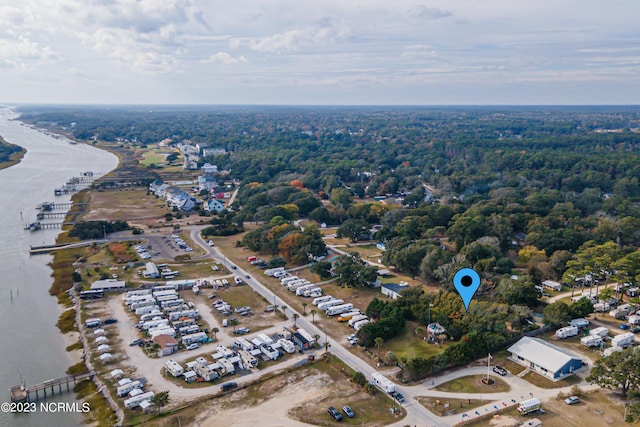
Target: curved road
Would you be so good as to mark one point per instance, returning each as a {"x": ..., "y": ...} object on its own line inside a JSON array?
[{"x": 416, "y": 413}]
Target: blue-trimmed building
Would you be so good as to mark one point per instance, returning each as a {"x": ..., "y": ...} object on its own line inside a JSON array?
[{"x": 545, "y": 358}]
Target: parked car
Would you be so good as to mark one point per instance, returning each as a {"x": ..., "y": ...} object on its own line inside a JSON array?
[
  {"x": 500, "y": 370},
  {"x": 110, "y": 321},
  {"x": 334, "y": 413},
  {"x": 348, "y": 411},
  {"x": 136, "y": 342},
  {"x": 193, "y": 346},
  {"x": 572, "y": 400},
  {"x": 399, "y": 397}
]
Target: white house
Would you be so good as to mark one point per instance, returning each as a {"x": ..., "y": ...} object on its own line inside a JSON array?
[
  {"x": 209, "y": 169},
  {"x": 206, "y": 182},
  {"x": 178, "y": 198},
  {"x": 213, "y": 205}
]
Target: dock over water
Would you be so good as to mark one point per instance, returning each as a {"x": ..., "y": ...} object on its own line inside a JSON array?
[{"x": 21, "y": 393}]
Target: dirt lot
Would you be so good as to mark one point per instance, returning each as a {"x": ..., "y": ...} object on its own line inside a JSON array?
[
  {"x": 597, "y": 409},
  {"x": 294, "y": 399}
]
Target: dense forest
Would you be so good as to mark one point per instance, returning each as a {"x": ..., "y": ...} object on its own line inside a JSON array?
[{"x": 544, "y": 192}]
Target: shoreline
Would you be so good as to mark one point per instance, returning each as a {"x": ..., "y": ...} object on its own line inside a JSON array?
[{"x": 14, "y": 158}]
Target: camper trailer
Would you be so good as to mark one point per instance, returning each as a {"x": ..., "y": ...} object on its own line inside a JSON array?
[
  {"x": 601, "y": 332},
  {"x": 591, "y": 341},
  {"x": 623, "y": 340},
  {"x": 383, "y": 383},
  {"x": 528, "y": 406},
  {"x": 566, "y": 332}
]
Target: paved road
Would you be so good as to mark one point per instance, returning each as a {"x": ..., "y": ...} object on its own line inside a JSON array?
[{"x": 416, "y": 413}]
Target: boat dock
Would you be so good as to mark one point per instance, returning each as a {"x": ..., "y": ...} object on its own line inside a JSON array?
[
  {"x": 22, "y": 393},
  {"x": 45, "y": 249}
]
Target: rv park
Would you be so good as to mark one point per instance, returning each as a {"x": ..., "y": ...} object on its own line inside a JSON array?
[{"x": 202, "y": 323}]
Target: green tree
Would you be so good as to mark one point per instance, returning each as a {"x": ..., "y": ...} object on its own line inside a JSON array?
[
  {"x": 354, "y": 229},
  {"x": 296, "y": 316},
  {"x": 378, "y": 342},
  {"x": 619, "y": 370},
  {"x": 359, "y": 378},
  {"x": 408, "y": 259},
  {"x": 313, "y": 315},
  {"x": 322, "y": 269},
  {"x": 521, "y": 291},
  {"x": 340, "y": 197},
  {"x": 557, "y": 314},
  {"x": 581, "y": 308},
  {"x": 215, "y": 331},
  {"x": 160, "y": 400},
  {"x": 304, "y": 308}
]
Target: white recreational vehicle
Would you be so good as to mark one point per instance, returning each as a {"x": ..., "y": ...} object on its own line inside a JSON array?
[
  {"x": 383, "y": 383},
  {"x": 567, "y": 331}
]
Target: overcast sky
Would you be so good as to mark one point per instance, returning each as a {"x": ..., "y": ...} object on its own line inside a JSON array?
[{"x": 320, "y": 51}]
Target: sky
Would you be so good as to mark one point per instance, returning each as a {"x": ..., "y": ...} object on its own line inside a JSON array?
[{"x": 335, "y": 52}]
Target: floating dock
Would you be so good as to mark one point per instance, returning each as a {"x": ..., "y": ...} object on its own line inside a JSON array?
[{"x": 22, "y": 393}]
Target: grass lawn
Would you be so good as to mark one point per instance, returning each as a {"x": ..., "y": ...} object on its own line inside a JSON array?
[
  {"x": 239, "y": 296},
  {"x": 473, "y": 384},
  {"x": 151, "y": 157},
  {"x": 542, "y": 382},
  {"x": 437, "y": 405},
  {"x": 410, "y": 345}
]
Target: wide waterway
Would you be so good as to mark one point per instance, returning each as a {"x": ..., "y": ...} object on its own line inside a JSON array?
[{"x": 31, "y": 347}]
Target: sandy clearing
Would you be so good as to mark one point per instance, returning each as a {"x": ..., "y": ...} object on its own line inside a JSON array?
[{"x": 273, "y": 412}]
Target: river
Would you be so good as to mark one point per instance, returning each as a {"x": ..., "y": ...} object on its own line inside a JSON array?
[{"x": 31, "y": 346}]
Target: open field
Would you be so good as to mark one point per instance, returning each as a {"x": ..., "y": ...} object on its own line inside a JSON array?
[{"x": 132, "y": 205}]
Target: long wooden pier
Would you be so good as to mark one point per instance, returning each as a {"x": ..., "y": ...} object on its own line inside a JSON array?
[
  {"x": 44, "y": 249},
  {"x": 21, "y": 393}
]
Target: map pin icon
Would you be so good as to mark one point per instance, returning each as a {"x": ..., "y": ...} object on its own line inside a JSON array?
[{"x": 466, "y": 282}]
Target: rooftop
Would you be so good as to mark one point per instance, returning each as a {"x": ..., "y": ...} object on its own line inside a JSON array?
[{"x": 542, "y": 353}]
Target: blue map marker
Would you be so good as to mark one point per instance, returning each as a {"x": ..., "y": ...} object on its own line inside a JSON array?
[{"x": 466, "y": 282}]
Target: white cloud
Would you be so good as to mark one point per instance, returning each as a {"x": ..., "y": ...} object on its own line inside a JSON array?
[
  {"x": 294, "y": 40},
  {"x": 225, "y": 58},
  {"x": 22, "y": 53},
  {"x": 428, "y": 13},
  {"x": 350, "y": 49}
]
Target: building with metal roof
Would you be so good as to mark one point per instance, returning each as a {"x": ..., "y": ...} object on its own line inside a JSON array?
[{"x": 545, "y": 358}]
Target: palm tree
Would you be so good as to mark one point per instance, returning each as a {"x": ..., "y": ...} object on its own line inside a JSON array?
[
  {"x": 326, "y": 346},
  {"x": 160, "y": 399},
  {"x": 313, "y": 316},
  {"x": 214, "y": 331},
  {"x": 378, "y": 341},
  {"x": 304, "y": 308},
  {"x": 295, "y": 319},
  {"x": 234, "y": 323},
  {"x": 317, "y": 338}
]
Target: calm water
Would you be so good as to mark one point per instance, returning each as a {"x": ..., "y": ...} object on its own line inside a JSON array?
[{"x": 30, "y": 344}]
